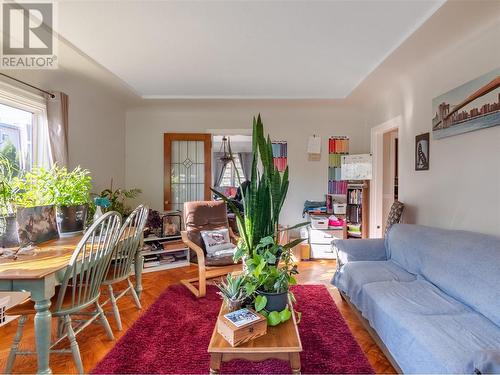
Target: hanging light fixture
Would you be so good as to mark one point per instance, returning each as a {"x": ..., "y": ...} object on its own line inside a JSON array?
[
  {"x": 224, "y": 150},
  {"x": 224, "y": 159}
]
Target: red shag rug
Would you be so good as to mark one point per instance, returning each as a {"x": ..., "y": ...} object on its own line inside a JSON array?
[{"x": 172, "y": 337}]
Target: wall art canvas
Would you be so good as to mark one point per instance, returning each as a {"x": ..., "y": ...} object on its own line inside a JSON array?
[
  {"x": 422, "y": 152},
  {"x": 36, "y": 224},
  {"x": 472, "y": 106}
]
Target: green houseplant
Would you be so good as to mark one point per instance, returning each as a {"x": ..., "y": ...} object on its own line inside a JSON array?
[
  {"x": 8, "y": 227},
  {"x": 71, "y": 193},
  {"x": 34, "y": 188},
  {"x": 268, "y": 269},
  {"x": 118, "y": 198},
  {"x": 232, "y": 291}
]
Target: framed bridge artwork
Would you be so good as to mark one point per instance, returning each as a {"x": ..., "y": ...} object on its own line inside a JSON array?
[{"x": 472, "y": 106}]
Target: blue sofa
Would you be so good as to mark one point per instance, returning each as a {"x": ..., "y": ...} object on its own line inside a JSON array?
[{"x": 431, "y": 295}]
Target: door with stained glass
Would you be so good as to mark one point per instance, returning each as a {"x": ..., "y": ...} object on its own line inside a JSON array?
[{"x": 187, "y": 168}]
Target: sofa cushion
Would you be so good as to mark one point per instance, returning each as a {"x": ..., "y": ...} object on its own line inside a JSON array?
[
  {"x": 354, "y": 275},
  {"x": 463, "y": 264},
  {"x": 425, "y": 329}
]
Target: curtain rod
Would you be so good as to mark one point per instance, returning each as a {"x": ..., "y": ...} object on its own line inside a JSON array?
[{"x": 27, "y": 84}]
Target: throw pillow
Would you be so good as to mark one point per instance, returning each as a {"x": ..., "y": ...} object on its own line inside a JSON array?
[{"x": 216, "y": 242}]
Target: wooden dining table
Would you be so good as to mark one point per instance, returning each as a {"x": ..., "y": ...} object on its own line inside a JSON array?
[{"x": 39, "y": 273}]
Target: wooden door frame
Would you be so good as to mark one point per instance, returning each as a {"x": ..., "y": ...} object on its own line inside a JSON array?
[
  {"x": 167, "y": 162},
  {"x": 376, "y": 186}
]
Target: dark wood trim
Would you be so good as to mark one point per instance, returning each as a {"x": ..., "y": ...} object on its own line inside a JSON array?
[
  {"x": 167, "y": 161},
  {"x": 372, "y": 332}
]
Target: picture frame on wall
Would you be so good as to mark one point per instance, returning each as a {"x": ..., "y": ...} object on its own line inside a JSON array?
[
  {"x": 475, "y": 105},
  {"x": 422, "y": 145}
]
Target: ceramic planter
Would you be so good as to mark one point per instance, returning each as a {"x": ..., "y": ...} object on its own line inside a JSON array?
[
  {"x": 275, "y": 301},
  {"x": 36, "y": 224},
  {"x": 71, "y": 219},
  {"x": 8, "y": 231}
]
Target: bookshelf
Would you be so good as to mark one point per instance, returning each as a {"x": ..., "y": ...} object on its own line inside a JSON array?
[
  {"x": 280, "y": 155},
  {"x": 337, "y": 146},
  {"x": 162, "y": 253},
  {"x": 357, "y": 209}
]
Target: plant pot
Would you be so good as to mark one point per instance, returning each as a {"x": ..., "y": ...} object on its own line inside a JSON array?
[
  {"x": 36, "y": 224},
  {"x": 233, "y": 305},
  {"x": 71, "y": 219},
  {"x": 8, "y": 231},
  {"x": 275, "y": 301}
]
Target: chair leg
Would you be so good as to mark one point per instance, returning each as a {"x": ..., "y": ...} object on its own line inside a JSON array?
[
  {"x": 60, "y": 327},
  {"x": 15, "y": 344},
  {"x": 202, "y": 282},
  {"x": 134, "y": 294},
  {"x": 104, "y": 321},
  {"x": 75, "y": 350},
  {"x": 116, "y": 312}
]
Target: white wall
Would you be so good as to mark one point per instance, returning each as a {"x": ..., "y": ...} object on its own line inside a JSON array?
[
  {"x": 292, "y": 121},
  {"x": 461, "y": 189},
  {"x": 96, "y": 114}
]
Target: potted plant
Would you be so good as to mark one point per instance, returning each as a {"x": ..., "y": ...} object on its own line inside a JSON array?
[
  {"x": 268, "y": 267},
  {"x": 232, "y": 291},
  {"x": 35, "y": 210},
  {"x": 71, "y": 195},
  {"x": 8, "y": 227},
  {"x": 118, "y": 197}
]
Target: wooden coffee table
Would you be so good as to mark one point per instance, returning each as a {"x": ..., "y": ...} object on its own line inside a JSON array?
[{"x": 280, "y": 342}]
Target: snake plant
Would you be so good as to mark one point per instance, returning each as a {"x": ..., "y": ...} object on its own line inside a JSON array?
[{"x": 262, "y": 199}]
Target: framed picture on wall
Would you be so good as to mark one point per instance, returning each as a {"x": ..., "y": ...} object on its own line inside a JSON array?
[
  {"x": 472, "y": 106},
  {"x": 422, "y": 152}
]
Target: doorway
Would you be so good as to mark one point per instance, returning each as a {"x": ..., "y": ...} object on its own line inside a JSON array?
[
  {"x": 385, "y": 184},
  {"x": 187, "y": 163}
]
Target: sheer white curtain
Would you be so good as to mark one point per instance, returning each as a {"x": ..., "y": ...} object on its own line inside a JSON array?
[
  {"x": 57, "y": 123},
  {"x": 246, "y": 159}
]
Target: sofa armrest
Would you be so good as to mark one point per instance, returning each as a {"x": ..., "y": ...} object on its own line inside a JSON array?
[{"x": 358, "y": 250}]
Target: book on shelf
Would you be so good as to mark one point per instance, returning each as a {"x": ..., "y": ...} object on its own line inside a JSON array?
[
  {"x": 280, "y": 149},
  {"x": 338, "y": 145},
  {"x": 151, "y": 264},
  {"x": 174, "y": 245},
  {"x": 280, "y": 154},
  {"x": 337, "y": 187},
  {"x": 167, "y": 258},
  {"x": 355, "y": 196},
  {"x": 354, "y": 214}
]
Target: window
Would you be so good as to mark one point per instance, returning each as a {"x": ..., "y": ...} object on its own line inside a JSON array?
[
  {"x": 23, "y": 128},
  {"x": 230, "y": 177}
]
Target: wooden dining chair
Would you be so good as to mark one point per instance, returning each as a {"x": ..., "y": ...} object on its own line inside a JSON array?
[
  {"x": 205, "y": 216},
  {"x": 79, "y": 291},
  {"x": 129, "y": 243}
]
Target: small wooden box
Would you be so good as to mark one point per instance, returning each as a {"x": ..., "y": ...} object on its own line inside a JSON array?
[{"x": 235, "y": 335}]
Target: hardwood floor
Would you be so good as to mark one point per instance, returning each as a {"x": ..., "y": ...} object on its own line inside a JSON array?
[{"x": 94, "y": 343}]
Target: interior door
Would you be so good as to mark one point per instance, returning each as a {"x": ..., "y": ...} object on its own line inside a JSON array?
[{"x": 187, "y": 168}]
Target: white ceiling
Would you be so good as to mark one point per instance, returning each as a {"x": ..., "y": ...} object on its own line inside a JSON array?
[{"x": 241, "y": 49}]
